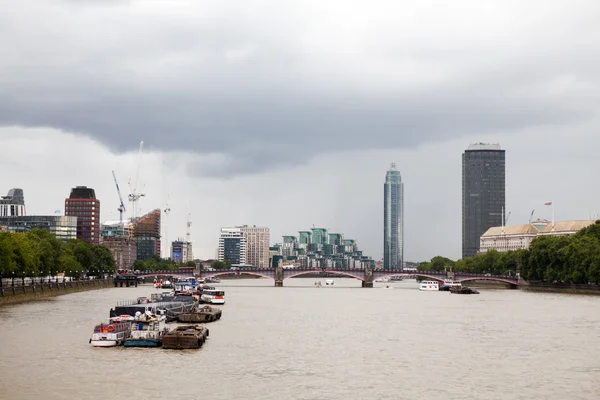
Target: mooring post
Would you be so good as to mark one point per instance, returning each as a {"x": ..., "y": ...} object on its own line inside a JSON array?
[
  {"x": 368, "y": 281},
  {"x": 279, "y": 277}
]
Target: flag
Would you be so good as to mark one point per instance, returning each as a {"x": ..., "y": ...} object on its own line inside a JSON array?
[{"x": 549, "y": 203}]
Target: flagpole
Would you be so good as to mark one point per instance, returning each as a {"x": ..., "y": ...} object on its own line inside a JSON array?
[{"x": 553, "y": 216}]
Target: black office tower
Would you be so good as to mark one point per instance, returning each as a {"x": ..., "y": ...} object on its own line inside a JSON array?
[{"x": 483, "y": 198}]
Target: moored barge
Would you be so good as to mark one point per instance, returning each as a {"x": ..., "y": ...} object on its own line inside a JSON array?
[{"x": 185, "y": 337}]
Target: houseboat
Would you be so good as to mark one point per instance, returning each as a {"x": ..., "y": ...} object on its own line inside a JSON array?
[
  {"x": 428, "y": 286},
  {"x": 147, "y": 330}
]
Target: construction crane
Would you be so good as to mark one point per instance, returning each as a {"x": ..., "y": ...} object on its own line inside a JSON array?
[
  {"x": 189, "y": 224},
  {"x": 167, "y": 210},
  {"x": 134, "y": 196},
  {"x": 531, "y": 216},
  {"x": 122, "y": 206},
  {"x": 506, "y": 219}
]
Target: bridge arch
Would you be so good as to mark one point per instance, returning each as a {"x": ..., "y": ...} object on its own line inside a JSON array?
[
  {"x": 411, "y": 275},
  {"x": 239, "y": 272},
  {"x": 488, "y": 278},
  {"x": 320, "y": 271}
]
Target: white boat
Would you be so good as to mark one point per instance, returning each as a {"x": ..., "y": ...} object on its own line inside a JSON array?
[
  {"x": 147, "y": 330},
  {"x": 329, "y": 282},
  {"x": 213, "y": 296},
  {"x": 383, "y": 280},
  {"x": 429, "y": 286},
  {"x": 451, "y": 283},
  {"x": 112, "y": 334}
]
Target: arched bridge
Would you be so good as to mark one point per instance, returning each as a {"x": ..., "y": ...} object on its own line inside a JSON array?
[{"x": 367, "y": 276}]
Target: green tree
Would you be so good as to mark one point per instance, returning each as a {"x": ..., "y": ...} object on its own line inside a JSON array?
[
  {"x": 102, "y": 260},
  {"x": 221, "y": 264}
]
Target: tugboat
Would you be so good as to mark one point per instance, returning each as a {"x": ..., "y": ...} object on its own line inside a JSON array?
[
  {"x": 185, "y": 337},
  {"x": 204, "y": 314},
  {"x": 147, "y": 330},
  {"x": 112, "y": 334}
]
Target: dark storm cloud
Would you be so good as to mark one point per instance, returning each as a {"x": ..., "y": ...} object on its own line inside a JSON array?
[{"x": 259, "y": 90}]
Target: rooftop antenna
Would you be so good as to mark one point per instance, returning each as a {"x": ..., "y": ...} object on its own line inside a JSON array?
[{"x": 134, "y": 196}]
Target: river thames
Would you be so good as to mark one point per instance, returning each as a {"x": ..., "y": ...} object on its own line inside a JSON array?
[{"x": 302, "y": 342}]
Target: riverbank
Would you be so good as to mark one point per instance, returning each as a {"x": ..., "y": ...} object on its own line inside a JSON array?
[
  {"x": 21, "y": 294},
  {"x": 571, "y": 288}
]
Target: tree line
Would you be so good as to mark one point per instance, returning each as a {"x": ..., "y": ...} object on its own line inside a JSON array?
[
  {"x": 560, "y": 259},
  {"x": 155, "y": 263},
  {"x": 39, "y": 253}
]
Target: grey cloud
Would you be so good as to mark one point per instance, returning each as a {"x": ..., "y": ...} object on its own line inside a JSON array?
[{"x": 220, "y": 81}]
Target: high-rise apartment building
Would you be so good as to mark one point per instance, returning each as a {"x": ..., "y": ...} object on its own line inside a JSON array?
[
  {"x": 393, "y": 219},
  {"x": 82, "y": 203},
  {"x": 13, "y": 204},
  {"x": 483, "y": 196},
  {"x": 232, "y": 246},
  {"x": 258, "y": 241},
  {"x": 245, "y": 244}
]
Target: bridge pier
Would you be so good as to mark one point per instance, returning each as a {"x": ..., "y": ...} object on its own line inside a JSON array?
[
  {"x": 368, "y": 281},
  {"x": 279, "y": 277}
]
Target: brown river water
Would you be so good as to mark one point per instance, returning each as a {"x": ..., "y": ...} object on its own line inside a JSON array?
[{"x": 302, "y": 342}]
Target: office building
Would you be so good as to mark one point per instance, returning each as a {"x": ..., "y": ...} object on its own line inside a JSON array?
[
  {"x": 483, "y": 196},
  {"x": 82, "y": 203},
  {"x": 13, "y": 204},
  {"x": 232, "y": 246},
  {"x": 63, "y": 228},
  {"x": 393, "y": 219},
  {"x": 181, "y": 251},
  {"x": 257, "y": 245},
  {"x": 146, "y": 232}
]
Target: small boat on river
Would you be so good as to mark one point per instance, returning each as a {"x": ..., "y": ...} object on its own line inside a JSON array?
[
  {"x": 429, "y": 286},
  {"x": 112, "y": 334},
  {"x": 185, "y": 337},
  {"x": 147, "y": 330},
  {"x": 212, "y": 296},
  {"x": 463, "y": 290}
]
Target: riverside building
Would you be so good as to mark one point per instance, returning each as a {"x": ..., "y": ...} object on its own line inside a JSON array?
[
  {"x": 13, "y": 204},
  {"x": 82, "y": 203},
  {"x": 393, "y": 219},
  {"x": 483, "y": 196}
]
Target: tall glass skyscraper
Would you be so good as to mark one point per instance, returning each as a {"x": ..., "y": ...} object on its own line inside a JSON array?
[
  {"x": 393, "y": 219},
  {"x": 483, "y": 197}
]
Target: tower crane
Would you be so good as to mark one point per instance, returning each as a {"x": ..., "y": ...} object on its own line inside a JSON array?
[
  {"x": 122, "y": 206},
  {"x": 167, "y": 210},
  {"x": 507, "y": 217},
  {"x": 189, "y": 224},
  {"x": 134, "y": 196}
]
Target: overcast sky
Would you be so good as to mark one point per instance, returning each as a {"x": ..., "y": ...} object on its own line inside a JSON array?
[{"x": 288, "y": 113}]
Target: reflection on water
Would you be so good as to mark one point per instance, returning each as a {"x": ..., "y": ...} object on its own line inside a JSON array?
[{"x": 302, "y": 342}]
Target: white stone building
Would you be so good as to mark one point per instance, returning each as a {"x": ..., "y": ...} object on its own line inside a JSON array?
[{"x": 518, "y": 237}]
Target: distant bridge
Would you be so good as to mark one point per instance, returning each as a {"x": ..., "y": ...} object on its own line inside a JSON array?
[{"x": 367, "y": 275}]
